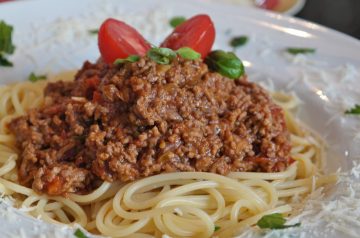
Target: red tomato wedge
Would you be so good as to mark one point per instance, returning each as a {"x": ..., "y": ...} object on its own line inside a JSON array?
[
  {"x": 117, "y": 40},
  {"x": 197, "y": 33}
]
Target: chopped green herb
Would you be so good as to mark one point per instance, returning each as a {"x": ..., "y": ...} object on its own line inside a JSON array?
[
  {"x": 225, "y": 63},
  {"x": 6, "y": 45},
  {"x": 216, "y": 228},
  {"x": 79, "y": 234},
  {"x": 129, "y": 59},
  {"x": 5, "y": 62},
  {"x": 295, "y": 51},
  {"x": 93, "y": 31},
  {"x": 34, "y": 78},
  {"x": 355, "y": 110},
  {"x": 188, "y": 53},
  {"x": 175, "y": 21},
  {"x": 274, "y": 221},
  {"x": 238, "y": 41},
  {"x": 161, "y": 55}
]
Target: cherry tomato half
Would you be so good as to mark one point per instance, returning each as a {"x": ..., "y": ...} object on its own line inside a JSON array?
[
  {"x": 197, "y": 33},
  {"x": 269, "y": 4},
  {"x": 117, "y": 40}
]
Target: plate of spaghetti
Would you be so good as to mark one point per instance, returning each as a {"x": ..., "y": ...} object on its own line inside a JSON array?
[{"x": 168, "y": 119}]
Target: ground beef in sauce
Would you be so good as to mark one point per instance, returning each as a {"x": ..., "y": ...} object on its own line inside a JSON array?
[{"x": 134, "y": 120}]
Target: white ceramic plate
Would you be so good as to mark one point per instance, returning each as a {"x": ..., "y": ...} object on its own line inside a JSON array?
[{"x": 52, "y": 36}]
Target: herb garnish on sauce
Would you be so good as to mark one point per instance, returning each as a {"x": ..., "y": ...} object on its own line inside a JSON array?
[
  {"x": 6, "y": 45},
  {"x": 188, "y": 53},
  {"x": 161, "y": 55},
  {"x": 225, "y": 63},
  {"x": 166, "y": 55},
  {"x": 274, "y": 221},
  {"x": 129, "y": 59}
]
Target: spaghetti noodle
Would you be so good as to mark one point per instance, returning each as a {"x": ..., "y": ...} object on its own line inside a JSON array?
[{"x": 183, "y": 204}]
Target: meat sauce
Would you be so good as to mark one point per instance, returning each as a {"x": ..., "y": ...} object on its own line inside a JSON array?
[{"x": 125, "y": 122}]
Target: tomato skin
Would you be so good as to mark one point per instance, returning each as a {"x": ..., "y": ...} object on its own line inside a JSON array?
[
  {"x": 117, "y": 40},
  {"x": 197, "y": 33},
  {"x": 269, "y": 4}
]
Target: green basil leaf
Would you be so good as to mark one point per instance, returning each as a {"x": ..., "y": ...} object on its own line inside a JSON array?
[
  {"x": 274, "y": 221},
  {"x": 295, "y": 51},
  {"x": 161, "y": 55},
  {"x": 129, "y": 59},
  {"x": 4, "y": 62},
  {"x": 225, "y": 63},
  {"x": 93, "y": 31},
  {"x": 34, "y": 78},
  {"x": 79, "y": 234},
  {"x": 355, "y": 110},
  {"x": 175, "y": 21},
  {"x": 188, "y": 53},
  {"x": 216, "y": 228},
  {"x": 6, "y": 45},
  {"x": 238, "y": 41}
]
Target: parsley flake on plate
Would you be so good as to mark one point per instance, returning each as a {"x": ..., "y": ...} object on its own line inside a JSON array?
[
  {"x": 274, "y": 221},
  {"x": 295, "y": 51},
  {"x": 175, "y": 21},
  {"x": 79, "y": 234},
  {"x": 238, "y": 41},
  {"x": 6, "y": 45},
  {"x": 34, "y": 78},
  {"x": 355, "y": 110},
  {"x": 93, "y": 31}
]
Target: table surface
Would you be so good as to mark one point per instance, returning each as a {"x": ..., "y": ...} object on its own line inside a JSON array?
[{"x": 341, "y": 15}]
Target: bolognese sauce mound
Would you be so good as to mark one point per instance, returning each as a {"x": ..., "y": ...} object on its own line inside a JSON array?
[{"x": 128, "y": 121}]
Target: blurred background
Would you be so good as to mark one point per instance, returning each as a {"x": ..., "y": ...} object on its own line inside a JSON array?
[{"x": 341, "y": 15}]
